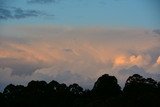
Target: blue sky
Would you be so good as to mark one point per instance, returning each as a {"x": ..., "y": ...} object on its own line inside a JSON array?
[{"x": 110, "y": 13}]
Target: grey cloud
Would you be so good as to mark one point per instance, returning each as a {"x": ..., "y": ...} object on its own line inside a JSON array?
[
  {"x": 69, "y": 78},
  {"x": 23, "y": 69},
  {"x": 19, "y": 67},
  {"x": 5, "y": 13},
  {"x": 132, "y": 70},
  {"x": 157, "y": 31},
  {"x": 18, "y": 13},
  {"x": 154, "y": 53},
  {"x": 68, "y": 50},
  {"x": 138, "y": 70},
  {"x": 41, "y": 1}
]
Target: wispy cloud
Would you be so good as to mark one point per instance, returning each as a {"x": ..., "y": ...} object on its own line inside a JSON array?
[
  {"x": 13, "y": 12},
  {"x": 18, "y": 13},
  {"x": 157, "y": 31},
  {"x": 42, "y": 1}
]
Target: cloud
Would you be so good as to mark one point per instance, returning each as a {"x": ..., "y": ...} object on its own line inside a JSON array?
[
  {"x": 19, "y": 67},
  {"x": 41, "y": 1},
  {"x": 79, "y": 55},
  {"x": 137, "y": 70},
  {"x": 155, "y": 67},
  {"x": 18, "y": 13},
  {"x": 5, "y": 13},
  {"x": 132, "y": 70},
  {"x": 141, "y": 60},
  {"x": 158, "y": 60},
  {"x": 10, "y": 11},
  {"x": 157, "y": 31}
]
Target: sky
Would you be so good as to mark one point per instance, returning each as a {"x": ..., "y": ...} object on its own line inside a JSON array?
[
  {"x": 78, "y": 40},
  {"x": 110, "y": 13}
]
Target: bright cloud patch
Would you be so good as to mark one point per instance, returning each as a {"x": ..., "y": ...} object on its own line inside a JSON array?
[{"x": 158, "y": 60}]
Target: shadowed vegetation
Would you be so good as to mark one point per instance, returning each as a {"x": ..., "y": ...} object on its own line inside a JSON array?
[{"x": 137, "y": 92}]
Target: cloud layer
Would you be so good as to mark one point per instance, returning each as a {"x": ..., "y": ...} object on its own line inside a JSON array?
[
  {"x": 18, "y": 13},
  {"x": 77, "y": 55},
  {"x": 8, "y": 11},
  {"x": 41, "y": 1}
]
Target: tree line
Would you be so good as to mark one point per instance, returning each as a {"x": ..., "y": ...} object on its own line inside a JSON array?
[{"x": 106, "y": 92}]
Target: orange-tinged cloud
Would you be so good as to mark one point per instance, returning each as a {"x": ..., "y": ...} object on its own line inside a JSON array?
[
  {"x": 49, "y": 51},
  {"x": 4, "y": 54},
  {"x": 140, "y": 60},
  {"x": 136, "y": 59},
  {"x": 78, "y": 47},
  {"x": 158, "y": 60},
  {"x": 130, "y": 60},
  {"x": 33, "y": 53},
  {"x": 120, "y": 60}
]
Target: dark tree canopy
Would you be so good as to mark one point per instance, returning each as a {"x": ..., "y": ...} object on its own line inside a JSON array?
[
  {"x": 138, "y": 84},
  {"x": 138, "y": 92},
  {"x": 75, "y": 89},
  {"x": 106, "y": 86}
]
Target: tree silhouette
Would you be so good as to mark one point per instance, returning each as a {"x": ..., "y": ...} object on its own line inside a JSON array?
[
  {"x": 138, "y": 92},
  {"x": 75, "y": 89},
  {"x": 136, "y": 84},
  {"x": 2, "y": 99},
  {"x": 106, "y": 86},
  {"x": 12, "y": 91},
  {"x": 14, "y": 95},
  {"x": 53, "y": 85},
  {"x": 36, "y": 92}
]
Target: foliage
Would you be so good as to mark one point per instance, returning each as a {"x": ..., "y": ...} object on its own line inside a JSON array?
[{"x": 138, "y": 92}]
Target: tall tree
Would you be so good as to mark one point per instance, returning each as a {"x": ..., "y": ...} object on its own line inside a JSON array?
[{"x": 106, "y": 86}]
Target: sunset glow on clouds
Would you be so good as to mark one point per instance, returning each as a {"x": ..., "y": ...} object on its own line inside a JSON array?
[
  {"x": 139, "y": 60},
  {"x": 158, "y": 60},
  {"x": 75, "y": 54}
]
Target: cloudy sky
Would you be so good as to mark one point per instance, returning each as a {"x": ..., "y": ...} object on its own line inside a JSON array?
[{"x": 78, "y": 40}]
